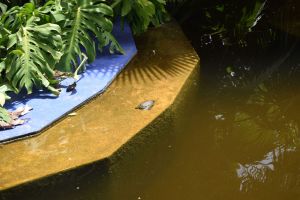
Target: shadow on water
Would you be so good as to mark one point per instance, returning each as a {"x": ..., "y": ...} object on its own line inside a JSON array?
[{"x": 234, "y": 134}]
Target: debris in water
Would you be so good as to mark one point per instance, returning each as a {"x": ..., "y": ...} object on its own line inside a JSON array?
[
  {"x": 226, "y": 42},
  {"x": 72, "y": 114},
  {"x": 247, "y": 68},
  {"x": 71, "y": 87},
  {"x": 206, "y": 39},
  {"x": 147, "y": 105},
  {"x": 220, "y": 117}
]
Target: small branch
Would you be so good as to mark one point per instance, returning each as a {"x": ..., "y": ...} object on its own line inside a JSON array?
[{"x": 85, "y": 58}]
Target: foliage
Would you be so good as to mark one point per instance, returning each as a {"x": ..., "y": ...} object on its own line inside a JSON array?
[
  {"x": 39, "y": 37},
  {"x": 141, "y": 13},
  {"x": 80, "y": 20},
  {"x": 230, "y": 22},
  {"x": 4, "y": 115}
]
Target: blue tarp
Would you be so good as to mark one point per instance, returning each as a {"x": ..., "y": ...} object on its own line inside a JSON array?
[{"x": 48, "y": 108}]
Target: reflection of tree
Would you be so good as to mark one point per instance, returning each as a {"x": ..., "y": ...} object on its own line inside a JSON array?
[
  {"x": 260, "y": 116},
  {"x": 258, "y": 170},
  {"x": 275, "y": 118}
]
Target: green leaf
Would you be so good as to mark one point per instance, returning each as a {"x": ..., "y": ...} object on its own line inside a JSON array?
[
  {"x": 141, "y": 13},
  {"x": 3, "y": 96},
  {"x": 3, "y": 8},
  {"x": 2, "y": 66},
  {"x": 126, "y": 7},
  {"x": 85, "y": 19},
  {"x": 33, "y": 56},
  {"x": 2, "y": 99},
  {"x": 4, "y": 115},
  {"x": 220, "y": 8}
]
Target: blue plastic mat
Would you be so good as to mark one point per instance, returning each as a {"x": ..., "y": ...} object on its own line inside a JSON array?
[{"x": 48, "y": 108}]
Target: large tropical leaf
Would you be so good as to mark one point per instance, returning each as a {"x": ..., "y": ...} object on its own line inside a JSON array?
[
  {"x": 141, "y": 13},
  {"x": 85, "y": 20},
  {"x": 34, "y": 51}
]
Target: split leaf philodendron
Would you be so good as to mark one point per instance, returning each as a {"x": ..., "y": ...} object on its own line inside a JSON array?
[
  {"x": 40, "y": 37},
  {"x": 141, "y": 13},
  {"x": 83, "y": 21}
]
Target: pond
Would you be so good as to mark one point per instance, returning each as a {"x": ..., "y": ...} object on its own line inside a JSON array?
[{"x": 234, "y": 134}]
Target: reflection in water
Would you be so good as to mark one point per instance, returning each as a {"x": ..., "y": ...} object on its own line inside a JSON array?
[
  {"x": 260, "y": 111},
  {"x": 233, "y": 135},
  {"x": 258, "y": 170}
]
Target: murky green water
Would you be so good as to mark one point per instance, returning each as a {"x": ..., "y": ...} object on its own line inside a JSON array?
[{"x": 233, "y": 136}]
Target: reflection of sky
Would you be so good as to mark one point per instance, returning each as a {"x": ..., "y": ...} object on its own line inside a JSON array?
[{"x": 257, "y": 171}]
